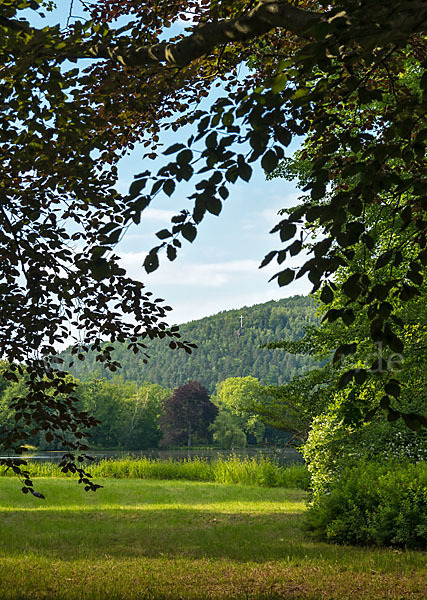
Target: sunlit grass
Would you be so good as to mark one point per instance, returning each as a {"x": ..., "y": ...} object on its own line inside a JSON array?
[{"x": 141, "y": 539}]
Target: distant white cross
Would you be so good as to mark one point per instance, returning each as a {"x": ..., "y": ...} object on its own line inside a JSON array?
[{"x": 241, "y": 321}]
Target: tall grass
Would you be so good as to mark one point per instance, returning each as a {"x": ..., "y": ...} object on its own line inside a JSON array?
[
  {"x": 249, "y": 471},
  {"x": 260, "y": 472}
]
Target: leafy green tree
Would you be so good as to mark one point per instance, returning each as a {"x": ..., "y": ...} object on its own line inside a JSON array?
[
  {"x": 235, "y": 396},
  {"x": 188, "y": 412},
  {"x": 33, "y": 436},
  {"x": 144, "y": 410},
  {"x": 227, "y": 430},
  {"x": 329, "y": 406},
  {"x": 7, "y": 415},
  {"x": 107, "y": 401},
  {"x": 128, "y": 414},
  {"x": 344, "y": 425},
  {"x": 361, "y": 355}
]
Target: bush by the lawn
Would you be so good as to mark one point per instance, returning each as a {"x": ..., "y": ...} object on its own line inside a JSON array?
[{"x": 372, "y": 503}]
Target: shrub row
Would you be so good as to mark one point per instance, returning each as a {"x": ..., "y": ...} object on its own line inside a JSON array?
[
  {"x": 376, "y": 504},
  {"x": 257, "y": 472}
]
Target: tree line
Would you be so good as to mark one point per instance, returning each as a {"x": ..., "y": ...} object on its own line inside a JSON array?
[{"x": 133, "y": 416}]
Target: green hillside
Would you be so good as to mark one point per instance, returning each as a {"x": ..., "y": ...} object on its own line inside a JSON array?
[{"x": 223, "y": 351}]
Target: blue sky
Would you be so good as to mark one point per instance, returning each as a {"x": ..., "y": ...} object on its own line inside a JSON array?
[{"x": 219, "y": 271}]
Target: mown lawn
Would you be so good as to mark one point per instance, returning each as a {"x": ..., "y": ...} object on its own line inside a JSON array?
[{"x": 161, "y": 539}]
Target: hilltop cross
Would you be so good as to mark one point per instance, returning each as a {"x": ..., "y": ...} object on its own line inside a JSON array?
[{"x": 241, "y": 322}]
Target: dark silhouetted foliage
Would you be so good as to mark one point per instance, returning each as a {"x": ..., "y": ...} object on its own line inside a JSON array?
[{"x": 187, "y": 415}]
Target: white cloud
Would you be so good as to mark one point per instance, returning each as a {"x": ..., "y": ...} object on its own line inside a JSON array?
[
  {"x": 207, "y": 275},
  {"x": 157, "y": 214}
]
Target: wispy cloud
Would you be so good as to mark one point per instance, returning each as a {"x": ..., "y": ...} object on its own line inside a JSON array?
[
  {"x": 157, "y": 214},
  {"x": 206, "y": 275}
]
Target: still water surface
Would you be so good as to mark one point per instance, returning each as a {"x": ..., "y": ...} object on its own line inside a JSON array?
[{"x": 281, "y": 455}]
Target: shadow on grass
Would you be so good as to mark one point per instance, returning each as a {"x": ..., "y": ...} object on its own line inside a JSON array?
[
  {"x": 179, "y": 533},
  {"x": 152, "y": 533}
]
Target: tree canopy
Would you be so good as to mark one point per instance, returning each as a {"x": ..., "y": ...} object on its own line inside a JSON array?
[
  {"x": 234, "y": 421},
  {"x": 349, "y": 75}
]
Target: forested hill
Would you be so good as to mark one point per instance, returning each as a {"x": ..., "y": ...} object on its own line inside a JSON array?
[{"x": 223, "y": 351}]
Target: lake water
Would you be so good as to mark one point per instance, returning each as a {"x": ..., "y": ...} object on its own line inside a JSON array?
[{"x": 283, "y": 456}]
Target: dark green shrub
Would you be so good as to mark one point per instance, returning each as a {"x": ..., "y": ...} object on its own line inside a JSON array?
[{"x": 372, "y": 503}]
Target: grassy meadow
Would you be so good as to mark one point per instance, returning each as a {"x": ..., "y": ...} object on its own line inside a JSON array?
[{"x": 148, "y": 539}]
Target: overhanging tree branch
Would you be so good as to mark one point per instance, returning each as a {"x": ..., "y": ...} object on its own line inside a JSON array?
[{"x": 265, "y": 16}]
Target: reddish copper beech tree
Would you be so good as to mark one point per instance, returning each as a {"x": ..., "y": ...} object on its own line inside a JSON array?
[
  {"x": 64, "y": 126},
  {"x": 187, "y": 414}
]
